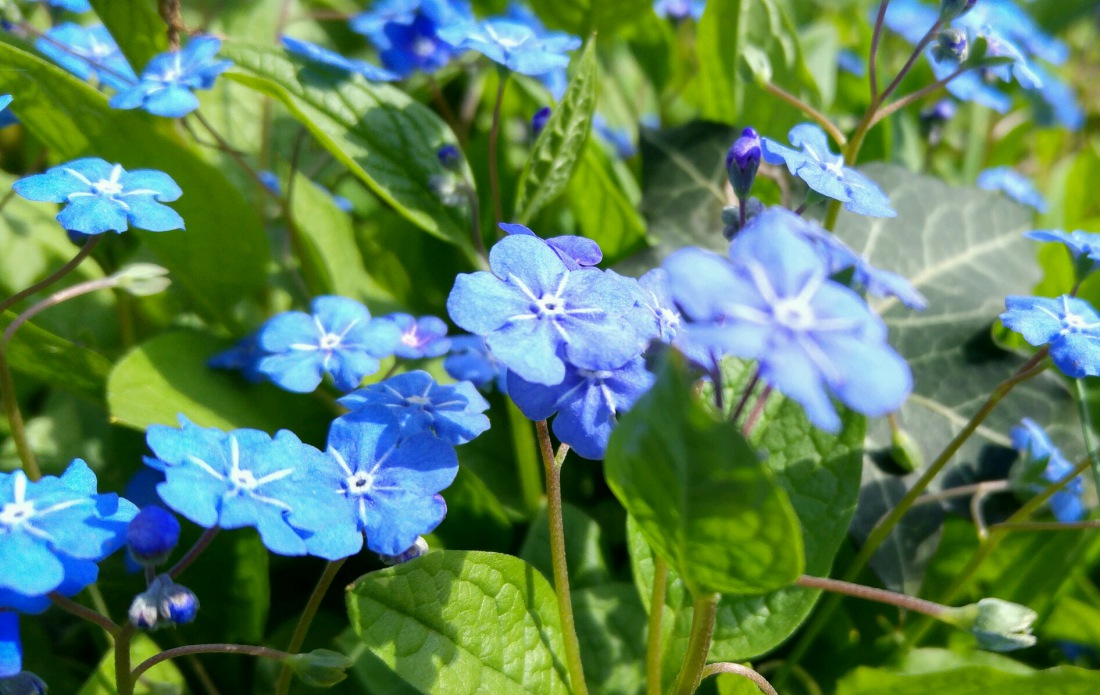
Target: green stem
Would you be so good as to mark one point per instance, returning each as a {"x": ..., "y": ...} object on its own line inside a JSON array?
[
  {"x": 247, "y": 649},
  {"x": 739, "y": 670},
  {"x": 702, "y": 630},
  {"x": 870, "y": 593},
  {"x": 557, "y": 553},
  {"x": 908, "y": 99},
  {"x": 306, "y": 619},
  {"x": 872, "y": 59},
  {"x": 53, "y": 300},
  {"x": 656, "y": 616},
  {"x": 814, "y": 115},
  {"x": 494, "y": 135},
  {"x": 1045, "y": 525},
  {"x": 1086, "y": 429},
  {"x": 85, "y": 251},
  {"x": 83, "y": 612},
  {"x": 124, "y": 683}
]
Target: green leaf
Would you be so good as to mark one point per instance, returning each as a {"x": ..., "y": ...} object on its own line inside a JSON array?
[
  {"x": 559, "y": 146},
  {"x": 717, "y": 43},
  {"x": 584, "y": 546},
  {"x": 603, "y": 211},
  {"x": 586, "y": 16},
  {"x": 700, "y": 494},
  {"x": 223, "y": 254},
  {"x": 162, "y": 679},
  {"x": 963, "y": 249},
  {"x": 454, "y": 620},
  {"x": 41, "y": 355},
  {"x": 611, "y": 624},
  {"x": 168, "y": 375},
  {"x": 136, "y": 27},
  {"x": 377, "y": 131}
]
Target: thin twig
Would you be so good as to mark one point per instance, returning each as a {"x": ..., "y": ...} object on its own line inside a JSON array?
[
  {"x": 872, "y": 60},
  {"x": 739, "y": 670},
  {"x": 168, "y": 654},
  {"x": 81, "y": 611},
  {"x": 815, "y": 115}
]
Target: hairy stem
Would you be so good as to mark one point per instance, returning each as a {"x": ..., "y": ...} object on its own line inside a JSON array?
[
  {"x": 739, "y": 670},
  {"x": 306, "y": 619},
  {"x": 702, "y": 630},
  {"x": 656, "y": 615},
  {"x": 176, "y": 652},
  {"x": 85, "y": 251},
  {"x": 870, "y": 593},
  {"x": 81, "y": 611}
]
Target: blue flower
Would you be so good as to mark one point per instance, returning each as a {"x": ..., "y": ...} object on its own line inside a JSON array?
[
  {"x": 587, "y": 402},
  {"x": 619, "y": 139},
  {"x": 850, "y": 62},
  {"x": 373, "y": 22},
  {"x": 11, "y": 647},
  {"x": 535, "y": 313},
  {"x": 386, "y": 489},
  {"x": 414, "y": 403},
  {"x": 243, "y": 478},
  {"x": 1068, "y": 324},
  {"x": 71, "y": 5},
  {"x": 1083, "y": 246},
  {"x": 333, "y": 59},
  {"x": 574, "y": 251},
  {"x": 420, "y": 337},
  {"x": 514, "y": 45},
  {"x": 410, "y": 46},
  {"x": 87, "y": 51},
  {"x": 825, "y": 172},
  {"x": 772, "y": 302},
  {"x": 6, "y": 116},
  {"x": 1014, "y": 184},
  {"x": 105, "y": 197},
  {"x": 339, "y": 338},
  {"x": 1055, "y": 103},
  {"x": 680, "y": 9},
  {"x": 652, "y": 294},
  {"x": 556, "y": 81},
  {"x": 53, "y": 532},
  {"x": 152, "y": 536},
  {"x": 244, "y": 355},
  {"x": 1038, "y": 454},
  {"x": 166, "y": 84},
  {"x": 470, "y": 360}
]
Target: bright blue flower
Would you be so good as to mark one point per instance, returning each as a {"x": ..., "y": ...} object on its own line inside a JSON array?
[
  {"x": 588, "y": 403},
  {"x": 470, "y": 360},
  {"x": 373, "y": 22},
  {"x": 556, "y": 81},
  {"x": 1083, "y": 246},
  {"x": 167, "y": 83},
  {"x": 386, "y": 488},
  {"x": 87, "y": 51},
  {"x": 1012, "y": 22},
  {"x": 851, "y": 62},
  {"x": 332, "y": 59},
  {"x": 652, "y": 294},
  {"x": 1014, "y": 184},
  {"x": 339, "y": 338},
  {"x": 105, "y": 197},
  {"x": 244, "y": 355},
  {"x": 420, "y": 337},
  {"x": 415, "y": 46},
  {"x": 772, "y": 302},
  {"x": 575, "y": 252},
  {"x": 243, "y": 478},
  {"x": 53, "y": 532},
  {"x": 619, "y": 139},
  {"x": 825, "y": 172},
  {"x": 680, "y": 9},
  {"x": 535, "y": 313},
  {"x": 414, "y": 403},
  {"x": 514, "y": 45},
  {"x": 71, "y": 5},
  {"x": 1036, "y": 449},
  {"x": 11, "y": 647},
  {"x": 270, "y": 180},
  {"x": 6, "y": 116},
  {"x": 1068, "y": 324}
]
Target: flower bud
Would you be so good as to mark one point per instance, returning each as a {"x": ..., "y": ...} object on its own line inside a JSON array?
[
  {"x": 953, "y": 9},
  {"x": 320, "y": 668},
  {"x": 420, "y": 547},
  {"x": 538, "y": 121},
  {"x": 178, "y": 604},
  {"x": 23, "y": 683},
  {"x": 142, "y": 279},
  {"x": 449, "y": 157},
  {"x": 1000, "y": 626},
  {"x": 144, "y": 612},
  {"x": 152, "y": 536},
  {"x": 905, "y": 452},
  {"x": 164, "y": 603},
  {"x": 742, "y": 161},
  {"x": 951, "y": 47}
]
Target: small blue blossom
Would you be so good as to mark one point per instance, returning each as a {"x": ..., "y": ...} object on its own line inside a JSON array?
[
  {"x": 1014, "y": 184},
  {"x": 372, "y": 23},
  {"x": 620, "y": 139},
  {"x": 851, "y": 62},
  {"x": 414, "y": 403},
  {"x": 71, "y": 5},
  {"x": 243, "y": 478},
  {"x": 6, "y": 116},
  {"x": 164, "y": 604},
  {"x": 87, "y": 51},
  {"x": 679, "y": 10},
  {"x": 338, "y": 338},
  {"x": 450, "y": 157},
  {"x": 470, "y": 360},
  {"x": 270, "y": 180},
  {"x": 420, "y": 337},
  {"x": 555, "y": 80},
  {"x": 1038, "y": 452},
  {"x": 11, "y": 646},
  {"x": 826, "y": 173},
  {"x": 772, "y": 301},
  {"x": 514, "y": 45},
  {"x": 742, "y": 161},
  {"x": 167, "y": 83},
  {"x": 53, "y": 532},
  {"x": 244, "y": 355},
  {"x": 411, "y": 43},
  {"x": 105, "y": 197},
  {"x": 1068, "y": 324},
  {"x": 575, "y": 252},
  {"x": 588, "y": 403},
  {"x": 1084, "y": 247},
  {"x": 332, "y": 59},
  {"x": 386, "y": 489},
  {"x": 535, "y": 313}
]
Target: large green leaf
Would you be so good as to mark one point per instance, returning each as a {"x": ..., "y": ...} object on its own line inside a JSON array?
[
  {"x": 700, "y": 494},
  {"x": 136, "y": 27},
  {"x": 963, "y": 249},
  {"x": 718, "y": 42},
  {"x": 223, "y": 254},
  {"x": 603, "y": 209},
  {"x": 463, "y": 622},
  {"x": 559, "y": 146},
  {"x": 162, "y": 679},
  {"x": 41, "y": 355},
  {"x": 610, "y": 625},
  {"x": 378, "y": 132},
  {"x": 586, "y": 16}
]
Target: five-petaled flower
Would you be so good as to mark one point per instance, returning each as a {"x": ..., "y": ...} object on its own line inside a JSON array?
[
  {"x": 1070, "y": 325},
  {"x": 825, "y": 172},
  {"x": 85, "y": 51},
  {"x": 515, "y": 45},
  {"x": 105, "y": 197},
  {"x": 167, "y": 83},
  {"x": 420, "y": 337}
]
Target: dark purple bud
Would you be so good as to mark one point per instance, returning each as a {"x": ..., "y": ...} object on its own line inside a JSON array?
[
  {"x": 951, "y": 46},
  {"x": 953, "y": 9},
  {"x": 152, "y": 536},
  {"x": 449, "y": 157},
  {"x": 538, "y": 121},
  {"x": 742, "y": 161},
  {"x": 178, "y": 604}
]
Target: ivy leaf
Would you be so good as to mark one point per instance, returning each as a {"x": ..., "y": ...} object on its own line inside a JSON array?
[
  {"x": 559, "y": 146},
  {"x": 451, "y": 619}
]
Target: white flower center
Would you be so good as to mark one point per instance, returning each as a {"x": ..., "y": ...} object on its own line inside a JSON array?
[
  {"x": 548, "y": 305},
  {"x": 243, "y": 480},
  {"x": 330, "y": 341},
  {"x": 15, "y": 514},
  {"x": 418, "y": 401},
  {"x": 1073, "y": 322},
  {"x": 108, "y": 188},
  {"x": 423, "y": 47},
  {"x": 793, "y": 314},
  {"x": 359, "y": 483}
]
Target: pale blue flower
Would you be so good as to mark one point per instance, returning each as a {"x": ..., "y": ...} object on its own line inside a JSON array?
[
  {"x": 1084, "y": 247},
  {"x": 1013, "y": 184},
  {"x": 513, "y": 44},
  {"x": 575, "y": 252},
  {"x": 1069, "y": 325},
  {"x": 1038, "y": 452},
  {"x": 680, "y": 9},
  {"x": 86, "y": 51},
  {"x": 167, "y": 83},
  {"x": 419, "y": 337},
  {"x": 470, "y": 360}
]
